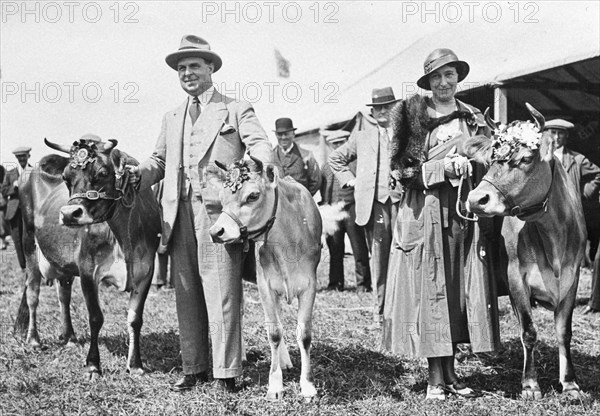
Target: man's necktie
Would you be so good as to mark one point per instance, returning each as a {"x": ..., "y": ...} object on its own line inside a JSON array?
[{"x": 195, "y": 110}]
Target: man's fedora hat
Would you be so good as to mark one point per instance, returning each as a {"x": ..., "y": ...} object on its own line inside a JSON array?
[
  {"x": 194, "y": 46},
  {"x": 558, "y": 123},
  {"x": 437, "y": 59},
  {"x": 22, "y": 150},
  {"x": 382, "y": 96},
  {"x": 283, "y": 125}
]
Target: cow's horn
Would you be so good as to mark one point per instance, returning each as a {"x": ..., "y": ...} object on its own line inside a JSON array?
[
  {"x": 221, "y": 165},
  {"x": 489, "y": 120},
  {"x": 59, "y": 147},
  {"x": 540, "y": 121},
  {"x": 111, "y": 144},
  {"x": 259, "y": 163}
]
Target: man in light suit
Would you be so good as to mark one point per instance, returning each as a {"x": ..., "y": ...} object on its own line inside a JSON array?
[
  {"x": 13, "y": 181},
  {"x": 376, "y": 204},
  {"x": 208, "y": 126}
]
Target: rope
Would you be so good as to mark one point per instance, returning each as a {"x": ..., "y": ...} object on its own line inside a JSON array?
[{"x": 459, "y": 202}]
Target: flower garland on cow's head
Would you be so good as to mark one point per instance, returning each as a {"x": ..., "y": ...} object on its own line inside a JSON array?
[
  {"x": 237, "y": 173},
  {"x": 508, "y": 139},
  {"x": 82, "y": 153}
]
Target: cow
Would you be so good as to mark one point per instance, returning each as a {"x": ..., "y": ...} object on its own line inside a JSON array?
[
  {"x": 284, "y": 221},
  {"x": 99, "y": 190},
  {"x": 543, "y": 229},
  {"x": 55, "y": 252}
]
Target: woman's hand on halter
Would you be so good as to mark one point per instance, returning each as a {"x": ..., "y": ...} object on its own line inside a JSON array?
[{"x": 456, "y": 165}]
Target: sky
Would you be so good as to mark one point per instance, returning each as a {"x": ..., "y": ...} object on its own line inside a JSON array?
[{"x": 70, "y": 68}]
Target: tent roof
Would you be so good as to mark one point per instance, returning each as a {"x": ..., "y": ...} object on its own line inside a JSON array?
[{"x": 500, "y": 52}]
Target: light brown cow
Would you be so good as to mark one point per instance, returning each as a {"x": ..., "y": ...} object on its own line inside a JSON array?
[
  {"x": 544, "y": 233},
  {"x": 282, "y": 218}
]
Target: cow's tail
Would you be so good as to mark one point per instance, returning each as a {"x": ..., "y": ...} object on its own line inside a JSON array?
[{"x": 22, "y": 322}]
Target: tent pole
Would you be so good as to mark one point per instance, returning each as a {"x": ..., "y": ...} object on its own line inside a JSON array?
[{"x": 501, "y": 104}]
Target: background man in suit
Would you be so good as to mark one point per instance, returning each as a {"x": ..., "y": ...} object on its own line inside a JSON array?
[
  {"x": 376, "y": 205},
  {"x": 332, "y": 193},
  {"x": 208, "y": 126},
  {"x": 293, "y": 161},
  {"x": 13, "y": 180}
]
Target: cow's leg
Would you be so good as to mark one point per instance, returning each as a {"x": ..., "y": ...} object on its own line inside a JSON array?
[
  {"x": 270, "y": 303},
  {"x": 306, "y": 301},
  {"x": 96, "y": 319},
  {"x": 32, "y": 294},
  {"x": 137, "y": 300},
  {"x": 64, "y": 296},
  {"x": 522, "y": 308},
  {"x": 562, "y": 319}
]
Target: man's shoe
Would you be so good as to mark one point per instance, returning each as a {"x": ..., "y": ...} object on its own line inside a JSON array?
[
  {"x": 588, "y": 310},
  {"x": 188, "y": 381},
  {"x": 363, "y": 288}
]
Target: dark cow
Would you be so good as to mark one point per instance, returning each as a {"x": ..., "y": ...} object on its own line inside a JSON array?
[
  {"x": 99, "y": 191},
  {"x": 282, "y": 217},
  {"x": 62, "y": 253},
  {"x": 544, "y": 233}
]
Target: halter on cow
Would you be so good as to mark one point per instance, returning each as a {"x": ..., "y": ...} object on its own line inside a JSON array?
[
  {"x": 281, "y": 215},
  {"x": 544, "y": 233},
  {"x": 99, "y": 190}
]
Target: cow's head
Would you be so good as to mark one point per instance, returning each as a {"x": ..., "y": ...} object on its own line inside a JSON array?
[
  {"x": 519, "y": 178},
  {"x": 249, "y": 199},
  {"x": 97, "y": 181}
]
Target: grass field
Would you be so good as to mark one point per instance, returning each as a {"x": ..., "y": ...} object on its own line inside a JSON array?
[{"x": 353, "y": 376}]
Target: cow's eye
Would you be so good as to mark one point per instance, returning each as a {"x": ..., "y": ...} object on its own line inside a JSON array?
[
  {"x": 527, "y": 160},
  {"x": 65, "y": 179},
  {"x": 253, "y": 197}
]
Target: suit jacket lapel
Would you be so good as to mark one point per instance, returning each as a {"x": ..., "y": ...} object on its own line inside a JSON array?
[
  {"x": 210, "y": 122},
  {"x": 568, "y": 160}
]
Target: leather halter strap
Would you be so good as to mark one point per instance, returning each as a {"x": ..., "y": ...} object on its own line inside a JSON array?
[
  {"x": 517, "y": 210},
  {"x": 246, "y": 235},
  {"x": 94, "y": 195}
]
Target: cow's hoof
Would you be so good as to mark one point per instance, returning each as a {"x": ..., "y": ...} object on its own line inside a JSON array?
[
  {"x": 531, "y": 394},
  {"x": 34, "y": 342},
  {"x": 72, "y": 344},
  {"x": 137, "y": 372},
  {"x": 93, "y": 376},
  {"x": 308, "y": 391},
  {"x": 572, "y": 392},
  {"x": 274, "y": 396}
]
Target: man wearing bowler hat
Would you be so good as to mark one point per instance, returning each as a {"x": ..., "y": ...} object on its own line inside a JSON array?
[
  {"x": 13, "y": 180},
  {"x": 293, "y": 161},
  {"x": 333, "y": 193},
  {"x": 206, "y": 127},
  {"x": 586, "y": 178},
  {"x": 376, "y": 204}
]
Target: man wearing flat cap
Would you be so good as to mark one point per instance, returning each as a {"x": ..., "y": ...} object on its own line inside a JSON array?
[
  {"x": 376, "y": 204},
  {"x": 333, "y": 193},
  {"x": 585, "y": 175},
  {"x": 207, "y": 126},
  {"x": 292, "y": 160},
  {"x": 13, "y": 180}
]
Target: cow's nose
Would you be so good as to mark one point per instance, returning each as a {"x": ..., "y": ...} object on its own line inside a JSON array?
[
  {"x": 477, "y": 200},
  {"x": 484, "y": 200},
  {"x": 216, "y": 232},
  {"x": 70, "y": 214}
]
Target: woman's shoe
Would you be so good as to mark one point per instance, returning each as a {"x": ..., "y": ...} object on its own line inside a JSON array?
[
  {"x": 460, "y": 389},
  {"x": 436, "y": 392}
]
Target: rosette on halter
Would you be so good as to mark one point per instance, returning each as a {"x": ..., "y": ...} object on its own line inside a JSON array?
[{"x": 509, "y": 139}]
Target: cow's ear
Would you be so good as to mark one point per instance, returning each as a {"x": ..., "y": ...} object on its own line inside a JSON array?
[
  {"x": 479, "y": 148},
  {"x": 272, "y": 174},
  {"x": 547, "y": 147}
]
